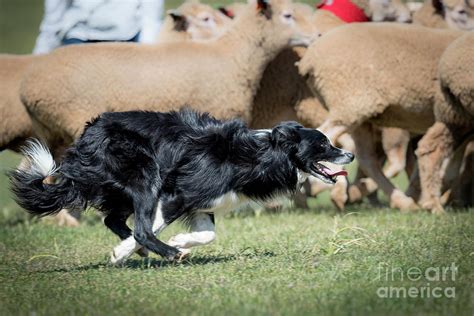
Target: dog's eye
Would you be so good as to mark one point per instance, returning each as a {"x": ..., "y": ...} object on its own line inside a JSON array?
[{"x": 288, "y": 16}]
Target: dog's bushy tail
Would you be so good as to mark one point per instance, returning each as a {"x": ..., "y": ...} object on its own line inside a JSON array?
[{"x": 33, "y": 186}]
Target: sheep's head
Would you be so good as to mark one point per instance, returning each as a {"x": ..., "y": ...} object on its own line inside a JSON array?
[
  {"x": 198, "y": 20},
  {"x": 289, "y": 20},
  {"x": 459, "y": 14},
  {"x": 389, "y": 10}
]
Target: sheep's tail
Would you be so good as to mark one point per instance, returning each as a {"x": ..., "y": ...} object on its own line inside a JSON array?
[{"x": 33, "y": 186}]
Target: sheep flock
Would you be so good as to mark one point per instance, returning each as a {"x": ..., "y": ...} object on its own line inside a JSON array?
[{"x": 398, "y": 90}]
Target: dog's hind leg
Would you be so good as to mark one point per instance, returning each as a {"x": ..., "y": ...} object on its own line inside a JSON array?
[
  {"x": 203, "y": 232},
  {"x": 130, "y": 245},
  {"x": 117, "y": 224}
]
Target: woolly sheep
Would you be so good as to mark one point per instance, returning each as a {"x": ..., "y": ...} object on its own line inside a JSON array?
[
  {"x": 403, "y": 99},
  {"x": 282, "y": 90},
  {"x": 193, "y": 20},
  {"x": 74, "y": 84},
  {"x": 454, "y": 14},
  {"x": 454, "y": 122},
  {"x": 15, "y": 123},
  {"x": 430, "y": 15}
]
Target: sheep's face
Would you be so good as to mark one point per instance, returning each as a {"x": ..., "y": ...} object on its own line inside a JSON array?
[
  {"x": 459, "y": 14},
  {"x": 199, "y": 21},
  {"x": 291, "y": 21},
  {"x": 389, "y": 10}
]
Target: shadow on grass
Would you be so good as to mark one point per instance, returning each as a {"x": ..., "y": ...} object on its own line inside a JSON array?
[{"x": 151, "y": 263}]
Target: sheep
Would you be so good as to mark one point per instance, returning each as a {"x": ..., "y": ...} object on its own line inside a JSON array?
[
  {"x": 430, "y": 15},
  {"x": 193, "y": 20},
  {"x": 459, "y": 14},
  {"x": 403, "y": 99},
  {"x": 15, "y": 125},
  {"x": 454, "y": 123},
  {"x": 282, "y": 90},
  {"x": 73, "y": 84},
  {"x": 454, "y": 14}
]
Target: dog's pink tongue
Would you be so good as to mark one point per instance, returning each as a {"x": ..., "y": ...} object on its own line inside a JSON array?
[{"x": 330, "y": 173}]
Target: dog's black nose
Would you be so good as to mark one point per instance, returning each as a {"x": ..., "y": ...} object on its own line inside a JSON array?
[{"x": 350, "y": 156}]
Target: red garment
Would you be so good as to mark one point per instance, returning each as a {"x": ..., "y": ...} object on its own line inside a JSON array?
[{"x": 346, "y": 10}]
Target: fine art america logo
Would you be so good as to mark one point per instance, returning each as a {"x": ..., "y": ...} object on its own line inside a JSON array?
[{"x": 428, "y": 283}]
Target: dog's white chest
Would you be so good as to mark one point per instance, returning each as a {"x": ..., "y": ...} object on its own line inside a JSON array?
[{"x": 227, "y": 202}]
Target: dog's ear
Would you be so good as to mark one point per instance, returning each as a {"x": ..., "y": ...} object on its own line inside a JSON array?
[
  {"x": 286, "y": 134},
  {"x": 179, "y": 20}
]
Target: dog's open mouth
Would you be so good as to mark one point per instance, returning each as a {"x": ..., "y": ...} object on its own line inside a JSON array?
[{"x": 325, "y": 174}]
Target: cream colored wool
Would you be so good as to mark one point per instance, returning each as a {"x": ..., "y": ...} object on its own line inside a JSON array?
[
  {"x": 15, "y": 124},
  {"x": 197, "y": 21},
  {"x": 456, "y": 75},
  {"x": 440, "y": 150},
  {"x": 75, "y": 84},
  {"x": 430, "y": 16},
  {"x": 353, "y": 83}
]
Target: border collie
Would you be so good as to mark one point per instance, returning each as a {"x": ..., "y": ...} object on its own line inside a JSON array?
[{"x": 167, "y": 166}]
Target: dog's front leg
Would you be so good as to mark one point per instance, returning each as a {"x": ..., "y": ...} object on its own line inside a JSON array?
[{"x": 202, "y": 233}]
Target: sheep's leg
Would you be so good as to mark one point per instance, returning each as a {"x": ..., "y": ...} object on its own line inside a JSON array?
[
  {"x": 202, "y": 233},
  {"x": 465, "y": 187},
  {"x": 435, "y": 152},
  {"x": 333, "y": 131},
  {"x": 395, "y": 144},
  {"x": 367, "y": 157},
  {"x": 363, "y": 187}
]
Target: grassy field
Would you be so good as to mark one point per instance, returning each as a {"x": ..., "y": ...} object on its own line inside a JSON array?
[{"x": 300, "y": 262}]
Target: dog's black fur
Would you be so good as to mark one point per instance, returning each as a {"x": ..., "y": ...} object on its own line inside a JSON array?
[{"x": 125, "y": 163}]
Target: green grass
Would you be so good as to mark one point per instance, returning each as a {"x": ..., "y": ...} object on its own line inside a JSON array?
[
  {"x": 286, "y": 264},
  {"x": 291, "y": 263}
]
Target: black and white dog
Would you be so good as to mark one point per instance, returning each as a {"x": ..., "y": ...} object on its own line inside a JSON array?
[{"x": 167, "y": 166}]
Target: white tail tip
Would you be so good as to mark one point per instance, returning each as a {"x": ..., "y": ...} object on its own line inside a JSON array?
[{"x": 38, "y": 159}]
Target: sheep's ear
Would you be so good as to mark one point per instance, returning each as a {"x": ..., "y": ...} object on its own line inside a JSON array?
[
  {"x": 286, "y": 134},
  {"x": 226, "y": 12},
  {"x": 179, "y": 20},
  {"x": 439, "y": 6},
  {"x": 264, "y": 7}
]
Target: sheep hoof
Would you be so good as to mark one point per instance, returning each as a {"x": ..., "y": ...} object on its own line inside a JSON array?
[
  {"x": 399, "y": 200},
  {"x": 339, "y": 195},
  {"x": 434, "y": 206},
  {"x": 355, "y": 195},
  {"x": 438, "y": 210}
]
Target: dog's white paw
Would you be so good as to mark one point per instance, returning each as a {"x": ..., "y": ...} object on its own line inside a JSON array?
[
  {"x": 183, "y": 254},
  {"x": 124, "y": 250},
  {"x": 115, "y": 259},
  {"x": 177, "y": 241}
]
